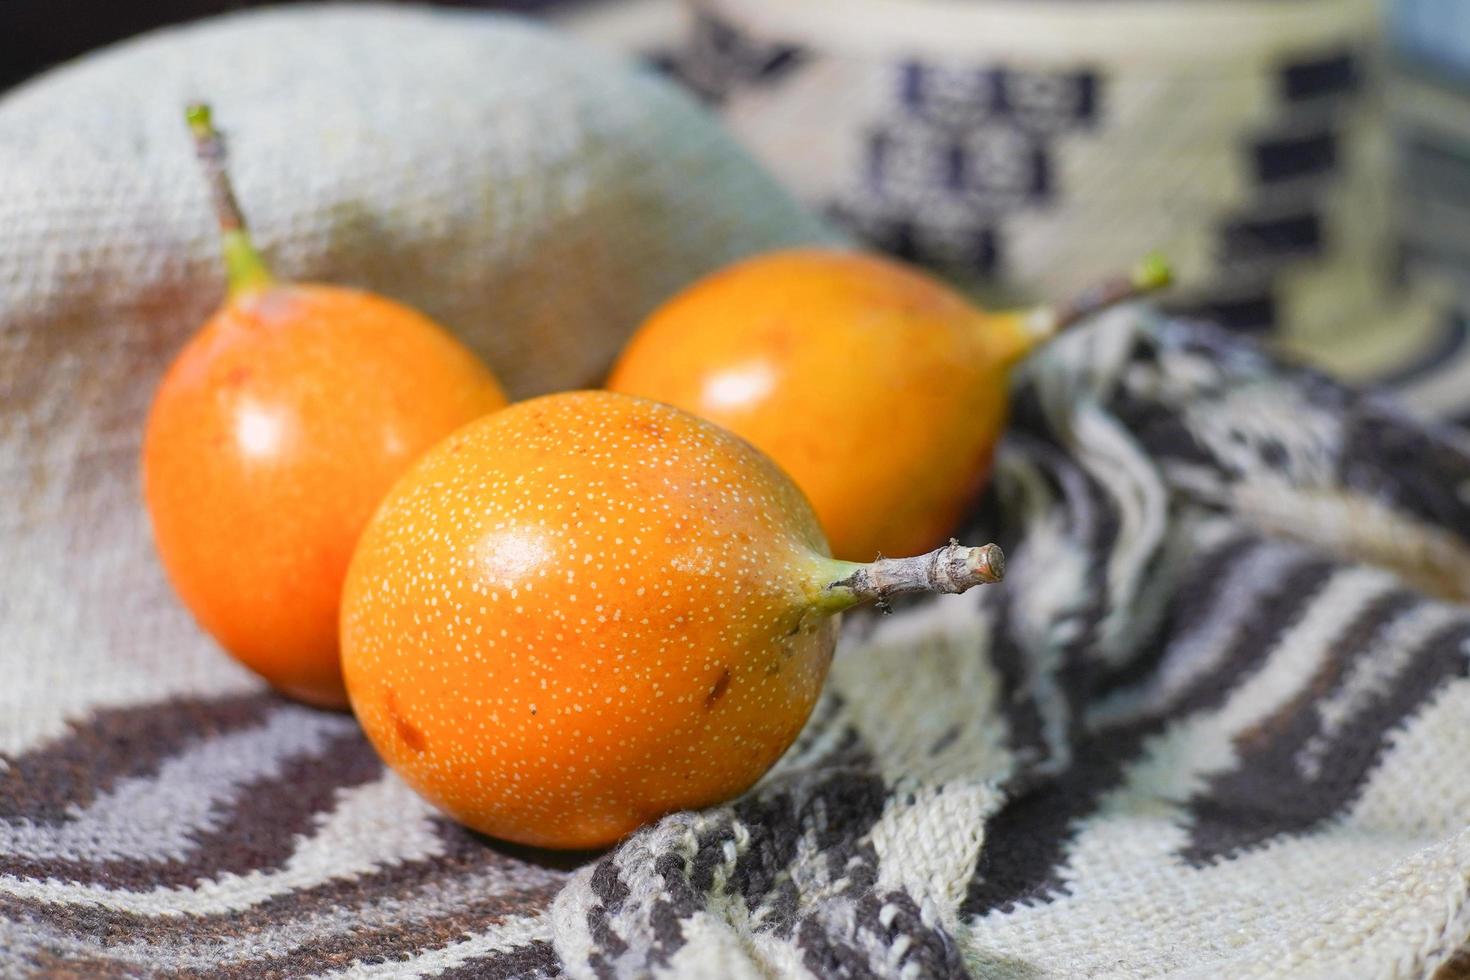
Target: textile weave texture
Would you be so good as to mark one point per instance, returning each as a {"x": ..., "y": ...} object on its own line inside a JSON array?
[{"x": 1212, "y": 725}]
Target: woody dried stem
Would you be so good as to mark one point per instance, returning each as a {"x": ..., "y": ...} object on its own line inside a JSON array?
[
  {"x": 952, "y": 569},
  {"x": 244, "y": 266}
]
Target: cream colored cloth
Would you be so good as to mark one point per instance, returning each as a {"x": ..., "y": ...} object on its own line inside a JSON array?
[{"x": 1212, "y": 725}]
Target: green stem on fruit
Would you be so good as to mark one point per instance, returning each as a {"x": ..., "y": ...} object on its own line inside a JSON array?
[
  {"x": 244, "y": 267},
  {"x": 1150, "y": 275},
  {"x": 951, "y": 569}
]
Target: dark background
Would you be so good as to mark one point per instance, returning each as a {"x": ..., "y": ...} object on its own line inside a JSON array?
[{"x": 37, "y": 34}]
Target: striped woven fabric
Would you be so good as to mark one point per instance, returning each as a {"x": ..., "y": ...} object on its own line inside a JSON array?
[{"x": 1213, "y": 725}]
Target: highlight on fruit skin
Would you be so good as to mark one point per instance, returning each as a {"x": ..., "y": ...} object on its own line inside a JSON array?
[
  {"x": 879, "y": 389},
  {"x": 588, "y": 610},
  {"x": 275, "y": 433}
]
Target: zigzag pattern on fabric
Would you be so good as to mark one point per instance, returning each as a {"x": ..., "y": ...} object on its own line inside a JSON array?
[{"x": 1191, "y": 736}]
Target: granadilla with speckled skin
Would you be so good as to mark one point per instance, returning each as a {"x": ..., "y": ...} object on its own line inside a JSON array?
[
  {"x": 274, "y": 435},
  {"x": 588, "y": 610}
]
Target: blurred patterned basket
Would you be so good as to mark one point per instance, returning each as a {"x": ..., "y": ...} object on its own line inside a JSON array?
[
  {"x": 1029, "y": 148},
  {"x": 1429, "y": 116},
  {"x": 1434, "y": 34},
  {"x": 1429, "y": 110}
]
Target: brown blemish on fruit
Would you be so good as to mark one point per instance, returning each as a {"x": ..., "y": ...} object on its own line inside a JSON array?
[
  {"x": 411, "y": 736},
  {"x": 722, "y": 683},
  {"x": 648, "y": 426}
]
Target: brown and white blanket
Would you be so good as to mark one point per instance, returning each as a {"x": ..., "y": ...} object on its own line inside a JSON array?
[
  {"x": 1191, "y": 736},
  {"x": 1213, "y": 725}
]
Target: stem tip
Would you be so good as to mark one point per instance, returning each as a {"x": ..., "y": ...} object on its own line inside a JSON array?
[
  {"x": 200, "y": 119},
  {"x": 987, "y": 562},
  {"x": 1152, "y": 273}
]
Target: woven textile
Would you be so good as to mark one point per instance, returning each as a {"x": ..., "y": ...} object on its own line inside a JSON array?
[
  {"x": 1214, "y": 723},
  {"x": 1190, "y": 736}
]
